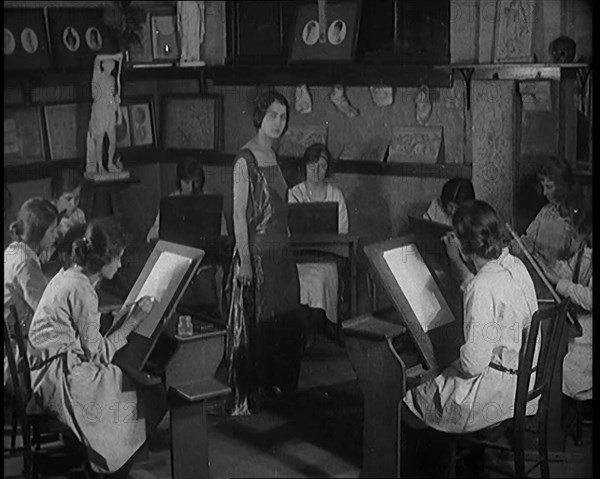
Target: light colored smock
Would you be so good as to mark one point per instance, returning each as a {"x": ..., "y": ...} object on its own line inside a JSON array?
[
  {"x": 72, "y": 375},
  {"x": 499, "y": 302}
]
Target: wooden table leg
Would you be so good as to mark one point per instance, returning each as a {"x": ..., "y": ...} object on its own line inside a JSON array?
[{"x": 189, "y": 443}]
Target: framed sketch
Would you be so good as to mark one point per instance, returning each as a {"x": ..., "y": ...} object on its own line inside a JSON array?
[
  {"x": 67, "y": 126},
  {"x": 23, "y": 135},
  {"x": 297, "y": 139},
  {"x": 255, "y": 31},
  {"x": 124, "y": 129},
  {"x": 25, "y": 41},
  {"x": 142, "y": 122},
  {"x": 165, "y": 46},
  {"x": 513, "y": 31},
  {"x": 337, "y": 41},
  {"x": 191, "y": 121},
  {"x": 77, "y": 35},
  {"x": 141, "y": 53}
]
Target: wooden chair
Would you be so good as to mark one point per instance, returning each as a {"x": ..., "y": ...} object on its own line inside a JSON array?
[
  {"x": 36, "y": 428},
  {"x": 537, "y": 424}
]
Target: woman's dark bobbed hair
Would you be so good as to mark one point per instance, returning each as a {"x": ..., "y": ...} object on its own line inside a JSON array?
[
  {"x": 103, "y": 241},
  {"x": 477, "y": 225},
  {"x": 263, "y": 102}
]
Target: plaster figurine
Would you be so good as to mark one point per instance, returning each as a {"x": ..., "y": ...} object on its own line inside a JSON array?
[
  {"x": 423, "y": 106},
  {"x": 190, "y": 24},
  {"x": 106, "y": 114}
]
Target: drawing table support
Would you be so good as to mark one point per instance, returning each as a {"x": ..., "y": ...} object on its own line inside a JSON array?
[
  {"x": 188, "y": 392},
  {"x": 381, "y": 378}
]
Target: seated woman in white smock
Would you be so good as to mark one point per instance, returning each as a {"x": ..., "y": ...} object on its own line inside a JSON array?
[
  {"x": 71, "y": 362},
  {"x": 479, "y": 388},
  {"x": 319, "y": 284}
]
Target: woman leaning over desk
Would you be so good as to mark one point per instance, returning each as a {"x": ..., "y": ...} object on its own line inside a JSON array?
[
  {"x": 479, "y": 388},
  {"x": 264, "y": 327},
  {"x": 71, "y": 371}
]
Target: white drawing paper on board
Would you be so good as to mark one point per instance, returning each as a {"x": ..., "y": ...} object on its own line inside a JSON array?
[
  {"x": 169, "y": 269},
  {"x": 419, "y": 287}
]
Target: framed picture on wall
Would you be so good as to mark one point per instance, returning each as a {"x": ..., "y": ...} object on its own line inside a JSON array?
[
  {"x": 142, "y": 123},
  {"x": 332, "y": 38},
  {"x": 165, "y": 45},
  {"x": 67, "y": 126},
  {"x": 255, "y": 31},
  {"x": 513, "y": 31},
  {"x": 77, "y": 36},
  {"x": 191, "y": 121},
  {"x": 25, "y": 41},
  {"x": 141, "y": 53},
  {"x": 23, "y": 135}
]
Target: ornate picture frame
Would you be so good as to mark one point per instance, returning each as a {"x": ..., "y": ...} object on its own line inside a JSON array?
[
  {"x": 336, "y": 44},
  {"x": 191, "y": 121}
]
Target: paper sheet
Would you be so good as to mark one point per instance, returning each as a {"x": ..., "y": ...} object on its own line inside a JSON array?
[
  {"x": 417, "y": 284},
  {"x": 167, "y": 273}
]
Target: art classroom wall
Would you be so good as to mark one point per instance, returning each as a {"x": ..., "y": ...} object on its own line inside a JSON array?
[{"x": 378, "y": 205}]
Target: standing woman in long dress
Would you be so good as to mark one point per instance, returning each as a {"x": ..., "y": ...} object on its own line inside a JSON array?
[{"x": 264, "y": 328}]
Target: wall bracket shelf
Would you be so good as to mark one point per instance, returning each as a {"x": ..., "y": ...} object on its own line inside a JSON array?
[{"x": 516, "y": 71}]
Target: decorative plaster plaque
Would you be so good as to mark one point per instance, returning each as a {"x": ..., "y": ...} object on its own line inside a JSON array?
[{"x": 415, "y": 144}]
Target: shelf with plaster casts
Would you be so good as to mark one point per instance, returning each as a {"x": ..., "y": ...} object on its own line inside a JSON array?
[{"x": 45, "y": 169}]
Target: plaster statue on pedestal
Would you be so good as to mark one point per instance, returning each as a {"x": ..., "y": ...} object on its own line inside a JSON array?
[
  {"x": 191, "y": 27},
  {"x": 106, "y": 114}
]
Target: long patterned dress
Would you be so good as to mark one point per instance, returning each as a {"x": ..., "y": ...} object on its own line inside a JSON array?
[{"x": 264, "y": 332}]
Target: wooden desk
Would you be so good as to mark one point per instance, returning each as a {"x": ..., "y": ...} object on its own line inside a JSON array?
[{"x": 343, "y": 245}]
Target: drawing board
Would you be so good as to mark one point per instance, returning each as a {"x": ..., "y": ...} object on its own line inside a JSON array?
[
  {"x": 165, "y": 277},
  {"x": 416, "y": 293}
]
